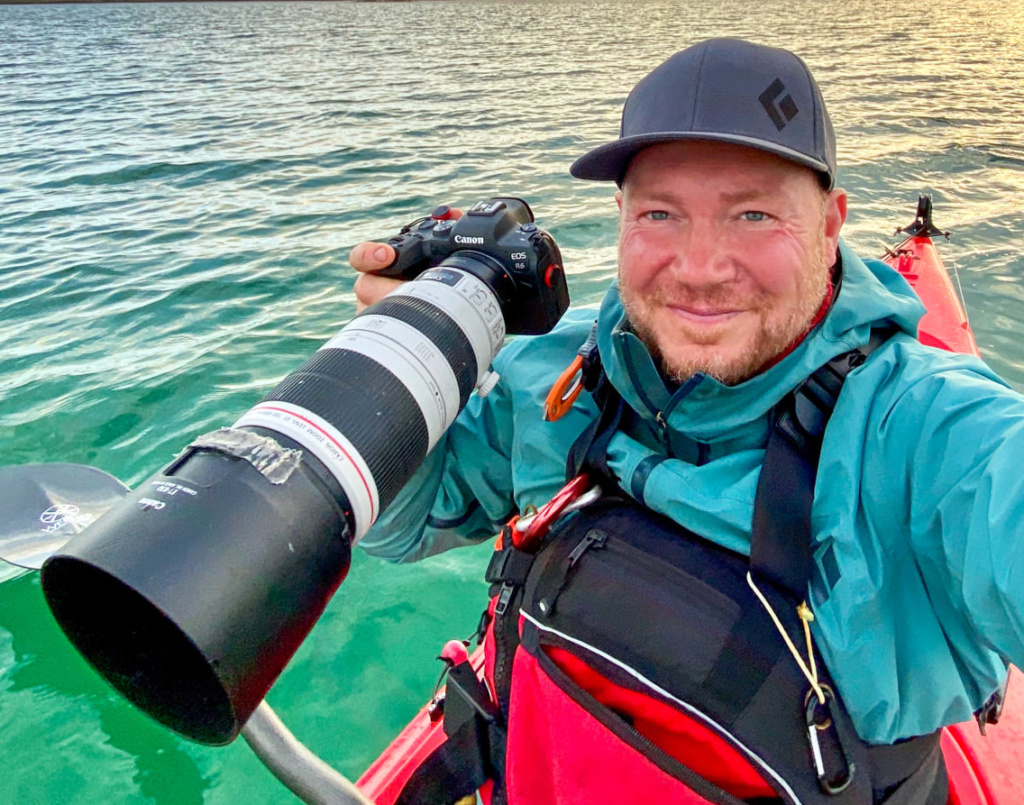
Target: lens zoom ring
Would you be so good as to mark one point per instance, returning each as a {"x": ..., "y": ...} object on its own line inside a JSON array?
[
  {"x": 442, "y": 330},
  {"x": 370, "y": 406}
]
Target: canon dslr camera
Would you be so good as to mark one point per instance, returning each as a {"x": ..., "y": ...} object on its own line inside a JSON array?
[{"x": 511, "y": 254}]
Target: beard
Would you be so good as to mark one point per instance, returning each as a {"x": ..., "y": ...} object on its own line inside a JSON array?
[{"x": 686, "y": 352}]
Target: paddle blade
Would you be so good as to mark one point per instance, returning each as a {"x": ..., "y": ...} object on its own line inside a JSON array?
[{"x": 42, "y": 506}]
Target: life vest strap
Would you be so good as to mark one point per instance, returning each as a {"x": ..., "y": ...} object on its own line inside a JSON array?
[{"x": 781, "y": 542}]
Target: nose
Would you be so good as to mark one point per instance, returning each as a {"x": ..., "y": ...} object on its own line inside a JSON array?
[{"x": 705, "y": 256}]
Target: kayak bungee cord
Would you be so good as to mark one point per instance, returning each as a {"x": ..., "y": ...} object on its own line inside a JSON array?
[{"x": 960, "y": 289}]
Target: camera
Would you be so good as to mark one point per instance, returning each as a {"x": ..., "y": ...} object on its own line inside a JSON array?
[
  {"x": 193, "y": 593},
  {"x": 499, "y": 233}
]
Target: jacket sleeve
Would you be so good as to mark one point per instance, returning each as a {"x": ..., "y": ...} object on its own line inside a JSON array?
[
  {"x": 461, "y": 494},
  {"x": 960, "y": 434},
  {"x": 467, "y": 487}
]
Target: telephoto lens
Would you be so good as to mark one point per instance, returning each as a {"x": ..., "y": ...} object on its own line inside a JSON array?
[{"x": 192, "y": 594}]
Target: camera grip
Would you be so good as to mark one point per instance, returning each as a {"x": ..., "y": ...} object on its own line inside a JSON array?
[{"x": 411, "y": 257}]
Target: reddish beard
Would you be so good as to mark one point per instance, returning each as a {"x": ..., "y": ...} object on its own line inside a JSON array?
[{"x": 779, "y": 330}]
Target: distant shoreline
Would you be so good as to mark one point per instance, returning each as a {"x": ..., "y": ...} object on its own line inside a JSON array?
[{"x": 133, "y": 2}]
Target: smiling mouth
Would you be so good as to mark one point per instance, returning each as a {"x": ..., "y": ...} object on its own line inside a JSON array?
[{"x": 705, "y": 316}]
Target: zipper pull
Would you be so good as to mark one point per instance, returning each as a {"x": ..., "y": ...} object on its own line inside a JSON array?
[
  {"x": 504, "y": 596},
  {"x": 592, "y": 539}
]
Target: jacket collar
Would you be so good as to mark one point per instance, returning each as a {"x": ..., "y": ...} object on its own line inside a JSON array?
[{"x": 872, "y": 295}]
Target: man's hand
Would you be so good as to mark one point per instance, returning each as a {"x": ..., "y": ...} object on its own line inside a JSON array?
[{"x": 369, "y": 257}]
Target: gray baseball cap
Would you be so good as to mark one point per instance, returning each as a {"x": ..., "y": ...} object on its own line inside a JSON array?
[{"x": 727, "y": 90}]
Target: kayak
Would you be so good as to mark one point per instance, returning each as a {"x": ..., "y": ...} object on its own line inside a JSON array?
[
  {"x": 944, "y": 324},
  {"x": 985, "y": 765}
]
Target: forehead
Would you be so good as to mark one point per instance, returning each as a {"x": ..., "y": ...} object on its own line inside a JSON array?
[{"x": 662, "y": 166}]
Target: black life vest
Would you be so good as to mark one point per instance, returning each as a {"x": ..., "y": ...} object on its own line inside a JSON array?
[{"x": 626, "y": 650}]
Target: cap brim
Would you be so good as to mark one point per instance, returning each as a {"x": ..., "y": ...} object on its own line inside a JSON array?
[{"x": 608, "y": 163}]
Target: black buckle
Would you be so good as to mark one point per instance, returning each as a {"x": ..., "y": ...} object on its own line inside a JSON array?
[
  {"x": 805, "y": 412},
  {"x": 509, "y": 566}
]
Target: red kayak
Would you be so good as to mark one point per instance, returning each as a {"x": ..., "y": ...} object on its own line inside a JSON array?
[
  {"x": 945, "y": 324},
  {"x": 983, "y": 769}
]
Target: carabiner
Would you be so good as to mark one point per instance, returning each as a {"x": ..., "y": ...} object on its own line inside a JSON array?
[
  {"x": 530, "y": 530},
  {"x": 818, "y": 717},
  {"x": 565, "y": 391}
]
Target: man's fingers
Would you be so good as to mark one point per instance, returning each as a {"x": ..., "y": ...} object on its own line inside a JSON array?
[
  {"x": 371, "y": 289},
  {"x": 371, "y": 256}
]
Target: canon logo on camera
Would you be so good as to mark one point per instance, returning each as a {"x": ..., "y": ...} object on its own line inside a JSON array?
[{"x": 468, "y": 239}]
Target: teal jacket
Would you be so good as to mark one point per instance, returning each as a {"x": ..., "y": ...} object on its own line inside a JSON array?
[{"x": 917, "y": 518}]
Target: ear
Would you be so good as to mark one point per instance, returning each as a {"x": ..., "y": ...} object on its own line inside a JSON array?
[
  {"x": 835, "y": 217},
  {"x": 618, "y": 199}
]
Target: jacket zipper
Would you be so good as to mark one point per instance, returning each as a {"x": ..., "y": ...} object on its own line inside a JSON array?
[{"x": 505, "y": 624}]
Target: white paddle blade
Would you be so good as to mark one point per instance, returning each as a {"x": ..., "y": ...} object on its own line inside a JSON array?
[{"x": 42, "y": 506}]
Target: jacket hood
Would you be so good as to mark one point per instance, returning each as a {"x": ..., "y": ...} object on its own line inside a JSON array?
[{"x": 871, "y": 295}]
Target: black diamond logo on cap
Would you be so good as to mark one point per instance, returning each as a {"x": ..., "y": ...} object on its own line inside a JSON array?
[{"x": 780, "y": 110}]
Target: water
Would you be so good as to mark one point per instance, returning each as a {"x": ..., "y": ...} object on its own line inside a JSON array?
[{"x": 180, "y": 185}]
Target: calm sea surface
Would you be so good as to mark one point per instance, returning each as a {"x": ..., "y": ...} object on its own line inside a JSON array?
[{"x": 180, "y": 185}]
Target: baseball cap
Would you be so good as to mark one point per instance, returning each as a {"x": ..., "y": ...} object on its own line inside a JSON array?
[{"x": 727, "y": 90}]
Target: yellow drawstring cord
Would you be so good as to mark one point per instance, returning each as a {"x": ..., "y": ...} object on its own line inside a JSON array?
[{"x": 806, "y": 616}]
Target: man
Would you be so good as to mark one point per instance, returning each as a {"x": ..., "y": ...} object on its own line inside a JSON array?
[{"x": 733, "y": 289}]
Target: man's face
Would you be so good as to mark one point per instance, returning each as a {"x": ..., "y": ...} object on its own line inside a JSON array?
[{"x": 724, "y": 255}]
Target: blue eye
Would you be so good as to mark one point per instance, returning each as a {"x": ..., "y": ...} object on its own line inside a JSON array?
[
  {"x": 754, "y": 215},
  {"x": 657, "y": 215}
]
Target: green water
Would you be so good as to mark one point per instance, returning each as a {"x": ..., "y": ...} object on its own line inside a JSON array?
[{"x": 181, "y": 184}]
